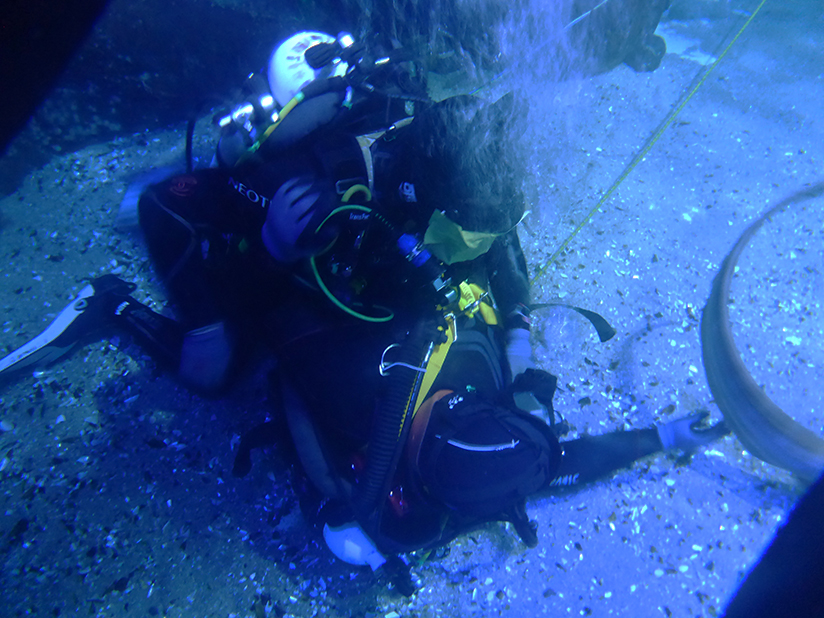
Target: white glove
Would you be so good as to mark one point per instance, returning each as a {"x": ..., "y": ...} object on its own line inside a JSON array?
[
  {"x": 519, "y": 351},
  {"x": 690, "y": 432},
  {"x": 519, "y": 356},
  {"x": 351, "y": 544}
]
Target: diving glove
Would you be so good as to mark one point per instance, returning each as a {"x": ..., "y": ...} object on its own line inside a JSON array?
[
  {"x": 294, "y": 224},
  {"x": 519, "y": 356},
  {"x": 691, "y": 432},
  {"x": 351, "y": 544},
  {"x": 519, "y": 351}
]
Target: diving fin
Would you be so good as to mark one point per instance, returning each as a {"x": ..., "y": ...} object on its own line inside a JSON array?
[{"x": 81, "y": 317}]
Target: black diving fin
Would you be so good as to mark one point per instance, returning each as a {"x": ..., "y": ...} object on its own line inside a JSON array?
[{"x": 82, "y": 316}]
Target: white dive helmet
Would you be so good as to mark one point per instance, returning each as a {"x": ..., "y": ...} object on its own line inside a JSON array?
[{"x": 289, "y": 72}]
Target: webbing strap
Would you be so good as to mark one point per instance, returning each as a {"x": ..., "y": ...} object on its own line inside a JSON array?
[
  {"x": 472, "y": 301},
  {"x": 436, "y": 361}
]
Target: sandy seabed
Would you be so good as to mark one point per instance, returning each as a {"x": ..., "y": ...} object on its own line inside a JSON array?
[{"x": 117, "y": 494}]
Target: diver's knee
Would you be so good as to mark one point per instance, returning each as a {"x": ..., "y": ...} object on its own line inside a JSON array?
[{"x": 205, "y": 357}]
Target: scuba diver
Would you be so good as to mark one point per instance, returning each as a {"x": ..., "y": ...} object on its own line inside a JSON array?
[
  {"x": 409, "y": 430},
  {"x": 413, "y": 435},
  {"x": 302, "y": 203},
  {"x": 381, "y": 224}
]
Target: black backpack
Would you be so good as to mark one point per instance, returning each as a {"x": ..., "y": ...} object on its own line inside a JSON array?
[{"x": 480, "y": 459}]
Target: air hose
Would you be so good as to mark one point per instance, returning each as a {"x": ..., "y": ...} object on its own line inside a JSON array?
[
  {"x": 411, "y": 248},
  {"x": 323, "y": 287},
  {"x": 392, "y": 421}
]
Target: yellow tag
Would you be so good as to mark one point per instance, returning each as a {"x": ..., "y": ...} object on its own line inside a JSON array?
[{"x": 450, "y": 243}]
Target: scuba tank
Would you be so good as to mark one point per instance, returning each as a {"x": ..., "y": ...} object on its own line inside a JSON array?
[{"x": 315, "y": 80}]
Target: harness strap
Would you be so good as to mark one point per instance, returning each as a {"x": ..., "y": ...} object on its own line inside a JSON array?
[
  {"x": 471, "y": 302},
  {"x": 365, "y": 142},
  {"x": 436, "y": 361}
]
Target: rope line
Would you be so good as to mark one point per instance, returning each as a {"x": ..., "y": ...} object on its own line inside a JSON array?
[{"x": 646, "y": 148}]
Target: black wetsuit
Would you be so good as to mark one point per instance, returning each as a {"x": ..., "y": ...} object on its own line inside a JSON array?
[{"x": 203, "y": 231}]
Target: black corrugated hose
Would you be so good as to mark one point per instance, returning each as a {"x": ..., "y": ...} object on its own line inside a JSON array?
[{"x": 391, "y": 424}]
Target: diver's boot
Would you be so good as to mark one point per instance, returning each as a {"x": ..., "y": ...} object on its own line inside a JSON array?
[{"x": 205, "y": 357}]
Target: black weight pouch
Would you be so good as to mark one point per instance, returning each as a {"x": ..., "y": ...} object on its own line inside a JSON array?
[{"x": 480, "y": 460}]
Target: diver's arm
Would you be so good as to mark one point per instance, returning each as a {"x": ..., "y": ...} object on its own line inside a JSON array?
[
  {"x": 509, "y": 280},
  {"x": 589, "y": 458},
  {"x": 509, "y": 283}
]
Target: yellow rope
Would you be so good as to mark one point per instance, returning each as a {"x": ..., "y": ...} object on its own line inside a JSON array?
[{"x": 645, "y": 149}]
